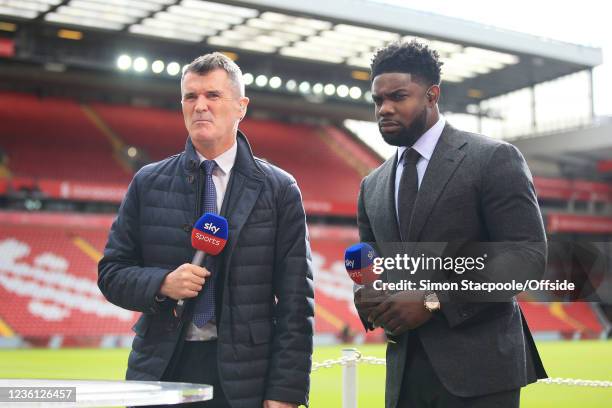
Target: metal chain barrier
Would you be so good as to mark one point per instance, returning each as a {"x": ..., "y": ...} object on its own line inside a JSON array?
[
  {"x": 359, "y": 359},
  {"x": 576, "y": 382}
]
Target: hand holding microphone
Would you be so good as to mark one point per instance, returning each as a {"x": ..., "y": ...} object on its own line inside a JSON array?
[
  {"x": 397, "y": 312},
  {"x": 186, "y": 281},
  {"x": 208, "y": 237},
  {"x": 359, "y": 263}
]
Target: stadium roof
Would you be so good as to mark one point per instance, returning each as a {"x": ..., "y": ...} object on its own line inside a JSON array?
[{"x": 316, "y": 51}]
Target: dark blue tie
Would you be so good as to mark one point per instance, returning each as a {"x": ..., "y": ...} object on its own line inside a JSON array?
[{"x": 205, "y": 304}]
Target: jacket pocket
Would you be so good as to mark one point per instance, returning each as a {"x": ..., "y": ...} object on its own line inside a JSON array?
[
  {"x": 261, "y": 331},
  {"x": 261, "y": 217},
  {"x": 141, "y": 326}
]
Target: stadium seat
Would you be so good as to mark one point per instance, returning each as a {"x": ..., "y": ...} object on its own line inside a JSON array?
[
  {"x": 329, "y": 181},
  {"x": 52, "y": 138},
  {"x": 49, "y": 284}
]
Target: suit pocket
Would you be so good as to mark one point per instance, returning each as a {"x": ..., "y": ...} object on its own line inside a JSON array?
[{"x": 261, "y": 331}]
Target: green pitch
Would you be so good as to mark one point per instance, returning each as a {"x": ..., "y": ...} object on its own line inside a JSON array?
[{"x": 584, "y": 359}]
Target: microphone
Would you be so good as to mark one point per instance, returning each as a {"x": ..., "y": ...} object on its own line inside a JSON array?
[
  {"x": 359, "y": 263},
  {"x": 208, "y": 237}
]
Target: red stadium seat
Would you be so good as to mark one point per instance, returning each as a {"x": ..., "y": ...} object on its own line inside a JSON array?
[
  {"x": 52, "y": 138},
  {"x": 48, "y": 278},
  {"x": 562, "y": 318},
  {"x": 48, "y": 272},
  {"x": 49, "y": 283},
  {"x": 160, "y": 132},
  {"x": 328, "y": 181}
]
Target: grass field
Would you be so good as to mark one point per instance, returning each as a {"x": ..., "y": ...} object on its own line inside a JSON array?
[{"x": 584, "y": 360}]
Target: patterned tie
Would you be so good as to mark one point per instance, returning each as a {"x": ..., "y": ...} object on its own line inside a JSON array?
[
  {"x": 408, "y": 189},
  {"x": 204, "y": 310}
]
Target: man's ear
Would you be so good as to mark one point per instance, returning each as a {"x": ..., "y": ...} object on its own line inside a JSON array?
[
  {"x": 244, "y": 102},
  {"x": 433, "y": 94}
]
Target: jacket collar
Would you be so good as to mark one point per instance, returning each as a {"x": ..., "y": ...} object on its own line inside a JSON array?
[{"x": 245, "y": 161}]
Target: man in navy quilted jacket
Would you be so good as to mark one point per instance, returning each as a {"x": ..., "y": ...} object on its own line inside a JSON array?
[{"x": 248, "y": 325}]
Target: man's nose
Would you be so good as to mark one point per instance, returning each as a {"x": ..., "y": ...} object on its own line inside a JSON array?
[
  {"x": 385, "y": 109},
  {"x": 201, "y": 104}
]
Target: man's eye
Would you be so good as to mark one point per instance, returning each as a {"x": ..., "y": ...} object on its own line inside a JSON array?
[
  {"x": 398, "y": 97},
  {"x": 214, "y": 96},
  {"x": 189, "y": 97}
]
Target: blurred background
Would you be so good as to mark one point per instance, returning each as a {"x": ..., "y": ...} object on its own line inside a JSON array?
[{"x": 89, "y": 93}]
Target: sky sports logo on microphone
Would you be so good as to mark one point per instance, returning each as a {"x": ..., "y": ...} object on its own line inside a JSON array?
[
  {"x": 359, "y": 263},
  {"x": 350, "y": 263},
  {"x": 211, "y": 227},
  {"x": 210, "y": 234},
  {"x": 207, "y": 238}
]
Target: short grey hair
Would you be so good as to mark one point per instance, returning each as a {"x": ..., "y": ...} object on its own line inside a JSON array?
[{"x": 213, "y": 61}]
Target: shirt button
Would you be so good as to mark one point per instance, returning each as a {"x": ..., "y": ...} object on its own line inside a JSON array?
[
  {"x": 190, "y": 179},
  {"x": 186, "y": 227}
]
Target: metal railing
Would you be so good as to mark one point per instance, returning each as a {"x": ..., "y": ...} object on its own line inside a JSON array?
[{"x": 351, "y": 357}]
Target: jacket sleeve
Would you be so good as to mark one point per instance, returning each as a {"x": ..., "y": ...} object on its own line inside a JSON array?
[
  {"x": 291, "y": 358},
  {"x": 122, "y": 278},
  {"x": 514, "y": 225},
  {"x": 365, "y": 235},
  {"x": 363, "y": 221}
]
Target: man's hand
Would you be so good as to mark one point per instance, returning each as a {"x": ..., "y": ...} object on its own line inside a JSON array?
[
  {"x": 367, "y": 299},
  {"x": 186, "y": 281},
  {"x": 400, "y": 312},
  {"x": 278, "y": 404}
]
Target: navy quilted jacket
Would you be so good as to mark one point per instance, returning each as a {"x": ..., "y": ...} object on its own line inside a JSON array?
[{"x": 265, "y": 299}]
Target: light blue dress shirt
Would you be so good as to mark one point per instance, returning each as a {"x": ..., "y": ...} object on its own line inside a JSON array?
[{"x": 425, "y": 146}]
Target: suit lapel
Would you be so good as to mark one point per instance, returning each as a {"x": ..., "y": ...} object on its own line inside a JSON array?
[{"x": 444, "y": 161}]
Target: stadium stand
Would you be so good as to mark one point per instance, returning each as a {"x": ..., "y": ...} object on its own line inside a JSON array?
[
  {"x": 48, "y": 277},
  {"x": 159, "y": 132},
  {"x": 328, "y": 181},
  {"x": 48, "y": 261},
  {"x": 49, "y": 280},
  {"x": 563, "y": 319},
  {"x": 327, "y": 163},
  {"x": 52, "y": 138},
  {"x": 48, "y": 283},
  {"x": 572, "y": 190}
]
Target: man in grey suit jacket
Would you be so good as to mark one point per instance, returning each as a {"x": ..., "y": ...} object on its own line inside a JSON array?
[{"x": 451, "y": 188}]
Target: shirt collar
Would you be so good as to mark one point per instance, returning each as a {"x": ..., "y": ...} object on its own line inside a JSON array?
[
  {"x": 225, "y": 161},
  {"x": 426, "y": 144}
]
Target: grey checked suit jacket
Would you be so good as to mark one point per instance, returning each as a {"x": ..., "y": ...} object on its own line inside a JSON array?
[{"x": 475, "y": 189}]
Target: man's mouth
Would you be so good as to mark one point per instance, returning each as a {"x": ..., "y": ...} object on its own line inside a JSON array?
[{"x": 389, "y": 126}]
